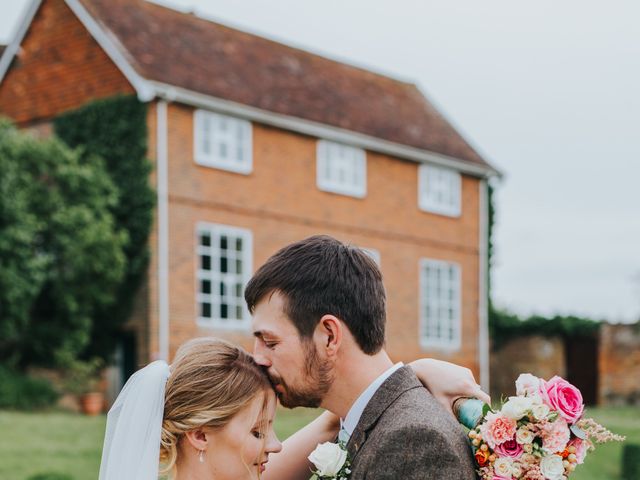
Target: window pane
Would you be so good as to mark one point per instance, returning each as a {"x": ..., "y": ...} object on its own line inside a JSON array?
[
  {"x": 205, "y": 286},
  {"x": 205, "y": 240},
  {"x": 205, "y": 262},
  {"x": 205, "y": 310}
]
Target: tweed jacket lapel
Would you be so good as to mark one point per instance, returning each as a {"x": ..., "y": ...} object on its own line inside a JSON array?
[{"x": 399, "y": 382}]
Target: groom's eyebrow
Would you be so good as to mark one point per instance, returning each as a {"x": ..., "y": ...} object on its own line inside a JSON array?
[{"x": 262, "y": 333}]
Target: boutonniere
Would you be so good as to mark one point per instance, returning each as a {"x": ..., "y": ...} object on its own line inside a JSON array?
[{"x": 331, "y": 461}]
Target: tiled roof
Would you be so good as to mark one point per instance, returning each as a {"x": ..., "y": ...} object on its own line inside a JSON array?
[{"x": 197, "y": 54}]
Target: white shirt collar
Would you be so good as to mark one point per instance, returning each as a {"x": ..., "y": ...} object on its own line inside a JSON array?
[{"x": 355, "y": 412}]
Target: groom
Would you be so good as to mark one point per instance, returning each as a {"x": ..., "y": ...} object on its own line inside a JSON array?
[{"x": 319, "y": 317}]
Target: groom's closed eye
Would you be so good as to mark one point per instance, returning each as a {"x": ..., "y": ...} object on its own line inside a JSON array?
[{"x": 267, "y": 342}]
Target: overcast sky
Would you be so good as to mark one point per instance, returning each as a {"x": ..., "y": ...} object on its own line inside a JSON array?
[{"x": 547, "y": 91}]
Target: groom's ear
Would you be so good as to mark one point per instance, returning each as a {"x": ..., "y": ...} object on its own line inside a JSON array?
[
  {"x": 198, "y": 438},
  {"x": 330, "y": 333}
]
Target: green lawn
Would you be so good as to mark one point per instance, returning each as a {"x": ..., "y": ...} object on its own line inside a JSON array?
[
  {"x": 605, "y": 462},
  {"x": 33, "y": 443}
]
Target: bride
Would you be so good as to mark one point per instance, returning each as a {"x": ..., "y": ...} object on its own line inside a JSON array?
[{"x": 210, "y": 416}]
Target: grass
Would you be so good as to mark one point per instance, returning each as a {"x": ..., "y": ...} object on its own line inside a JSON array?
[
  {"x": 61, "y": 442},
  {"x": 606, "y": 461}
]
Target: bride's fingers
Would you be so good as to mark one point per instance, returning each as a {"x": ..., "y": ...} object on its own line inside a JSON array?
[{"x": 481, "y": 395}]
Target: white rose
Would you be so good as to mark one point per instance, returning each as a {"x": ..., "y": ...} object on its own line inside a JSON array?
[
  {"x": 503, "y": 466},
  {"x": 528, "y": 384},
  {"x": 517, "y": 407},
  {"x": 328, "y": 458},
  {"x": 516, "y": 470},
  {"x": 524, "y": 436},
  {"x": 540, "y": 411},
  {"x": 551, "y": 467}
]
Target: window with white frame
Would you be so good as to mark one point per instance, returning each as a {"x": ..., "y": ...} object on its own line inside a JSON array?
[
  {"x": 439, "y": 190},
  {"x": 224, "y": 268},
  {"x": 223, "y": 142},
  {"x": 440, "y": 299},
  {"x": 341, "y": 169}
]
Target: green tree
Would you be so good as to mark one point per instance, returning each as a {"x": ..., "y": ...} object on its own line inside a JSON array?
[
  {"x": 115, "y": 129},
  {"x": 61, "y": 255}
]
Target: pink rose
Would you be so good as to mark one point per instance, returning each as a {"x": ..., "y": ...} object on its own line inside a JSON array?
[
  {"x": 497, "y": 429},
  {"x": 500, "y": 477},
  {"x": 563, "y": 397},
  {"x": 510, "y": 449}
]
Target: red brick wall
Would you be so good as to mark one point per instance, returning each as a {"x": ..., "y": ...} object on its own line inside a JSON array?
[
  {"x": 619, "y": 364},
  {"x": 535, "y": 354},
  {"x": 280, "y": 203},
  {"x": 59, "y": 67}
]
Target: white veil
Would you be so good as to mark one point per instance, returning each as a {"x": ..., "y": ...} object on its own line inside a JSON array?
[{"x": 132, "y": 439}]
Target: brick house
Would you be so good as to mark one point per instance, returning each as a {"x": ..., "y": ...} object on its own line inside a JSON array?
[{"x": 257, "y": 144}]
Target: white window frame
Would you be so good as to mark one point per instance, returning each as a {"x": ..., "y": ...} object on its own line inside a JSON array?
[
  {"x": 235, "y": 126},
  {"x": 215, "y": 277},
  {"x": 434, "y": 183},
  {"x": 352, "y": 161},
  {"x": 439, "y": 303}
]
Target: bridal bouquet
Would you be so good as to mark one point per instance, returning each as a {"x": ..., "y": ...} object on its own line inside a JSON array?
[{"x": 540, "y": 434}]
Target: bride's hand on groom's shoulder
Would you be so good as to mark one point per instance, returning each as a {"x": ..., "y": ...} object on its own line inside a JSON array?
[{"x": 447, "y": 381}]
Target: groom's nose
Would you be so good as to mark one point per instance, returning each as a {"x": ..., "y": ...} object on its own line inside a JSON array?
[{"x": 259, "y": 355}]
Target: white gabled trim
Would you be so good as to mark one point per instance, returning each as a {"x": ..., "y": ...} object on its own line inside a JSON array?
[
  {"x": 483, "y": 306},
  {"x": 316, "y": 129},
  {"x": 113, "y": 49},
  {"x": 162, "y": 178},
  {"x": 12, "y": 49}
]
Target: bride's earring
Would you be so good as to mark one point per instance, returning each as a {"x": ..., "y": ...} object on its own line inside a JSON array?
[{"x": 201, "y": 456}]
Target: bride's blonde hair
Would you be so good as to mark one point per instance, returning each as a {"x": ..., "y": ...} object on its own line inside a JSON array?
[{"x": 211, "y": 381}]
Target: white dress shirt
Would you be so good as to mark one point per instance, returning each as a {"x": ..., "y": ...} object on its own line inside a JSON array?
[{"x": 355, "y": 412}]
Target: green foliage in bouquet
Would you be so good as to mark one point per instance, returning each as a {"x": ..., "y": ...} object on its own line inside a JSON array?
[
  {"x": 115, "y": 129},
  {"x": 61, "y": 253}
]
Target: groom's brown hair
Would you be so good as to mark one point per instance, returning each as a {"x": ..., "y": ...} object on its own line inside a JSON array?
[{"x": 321, "y": 275}]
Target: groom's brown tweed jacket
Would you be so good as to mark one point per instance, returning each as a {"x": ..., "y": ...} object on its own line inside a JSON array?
[{"x": 404, "y": 433}]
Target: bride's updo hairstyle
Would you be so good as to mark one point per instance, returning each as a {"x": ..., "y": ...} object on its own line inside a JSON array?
[{"x": 211, "y": 381}]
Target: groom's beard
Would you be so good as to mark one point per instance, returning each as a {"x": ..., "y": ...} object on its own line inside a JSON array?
[{"x": 317, "y": 381}]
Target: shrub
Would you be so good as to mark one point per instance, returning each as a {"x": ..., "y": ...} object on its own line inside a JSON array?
[
  {"x": 50, "y": 476},
  {"x": 21, "y": 392},
  {"x": 631, "y": 462},
  {"x": 61, "y": 254}
]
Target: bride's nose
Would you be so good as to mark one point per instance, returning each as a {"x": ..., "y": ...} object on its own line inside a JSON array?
[{"x": 273, "y": 444}]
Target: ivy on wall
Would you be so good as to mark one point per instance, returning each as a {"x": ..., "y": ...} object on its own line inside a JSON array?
[{"x": 116, "y": 130}]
